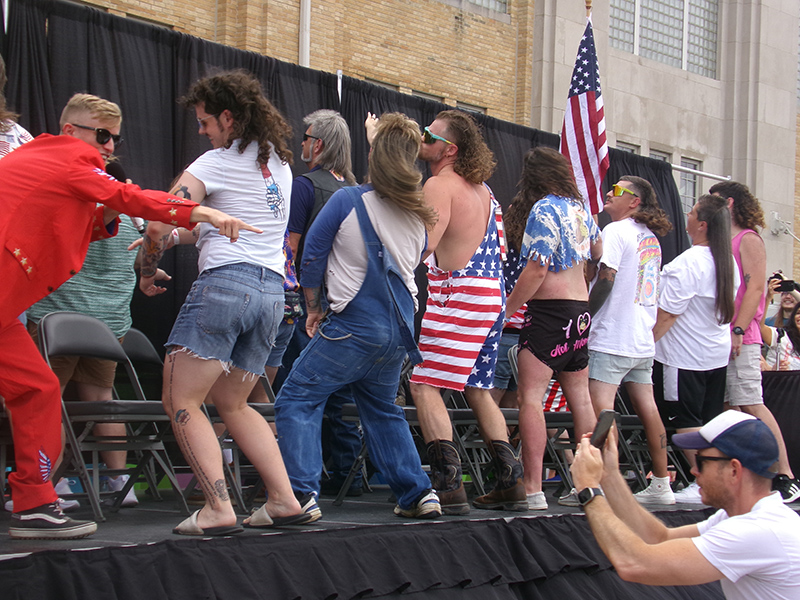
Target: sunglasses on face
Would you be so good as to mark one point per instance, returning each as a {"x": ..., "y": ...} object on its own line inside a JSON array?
[
  {"x": 432, "y": 138},
  {"x": 101, "y": 135},
  {"x": 618, "y": 190},
  {"x": 701, "y": 460},
  {"x": 307, "y": 136}
]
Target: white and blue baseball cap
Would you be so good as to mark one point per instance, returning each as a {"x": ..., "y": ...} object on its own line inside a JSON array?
[{"x": 737, "y": 435}]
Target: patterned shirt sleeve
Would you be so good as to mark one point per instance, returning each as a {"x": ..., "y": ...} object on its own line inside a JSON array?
[{"x": 542, "y": 234}]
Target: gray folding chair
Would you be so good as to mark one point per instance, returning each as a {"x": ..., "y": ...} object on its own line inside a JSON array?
[{"x": 74, "y": 334}]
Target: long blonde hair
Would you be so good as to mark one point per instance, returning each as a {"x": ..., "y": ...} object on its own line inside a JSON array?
[{"x": 393, "y": 165}]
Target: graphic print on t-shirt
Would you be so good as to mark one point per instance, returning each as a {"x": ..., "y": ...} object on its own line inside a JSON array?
[
  {"x": 649, "y": 270},
  {"x": 273, "y": 196}
]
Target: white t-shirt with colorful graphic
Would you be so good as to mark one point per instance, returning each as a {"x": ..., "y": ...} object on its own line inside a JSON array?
[{"x": 624, "y": 324}]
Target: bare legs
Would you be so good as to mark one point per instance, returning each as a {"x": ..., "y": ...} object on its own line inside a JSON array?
[
  {"x": 187, "y": 381},
  {"x": 644, "y": 404}
]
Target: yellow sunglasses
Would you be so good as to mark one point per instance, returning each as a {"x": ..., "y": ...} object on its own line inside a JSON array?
[{"x": 618, "y": 190}]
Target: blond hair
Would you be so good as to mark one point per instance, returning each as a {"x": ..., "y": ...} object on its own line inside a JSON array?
[
  {"x": 393, "y": 165},
  {"x": 96, "y": 107}
]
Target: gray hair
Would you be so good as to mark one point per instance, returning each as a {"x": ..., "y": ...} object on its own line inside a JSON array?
[{"x": 330, "y": 127}]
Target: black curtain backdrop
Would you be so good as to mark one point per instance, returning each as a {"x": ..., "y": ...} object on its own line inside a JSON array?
[
  {"x": 781, "y": 394},
  {"x": 659, "y": 174},
  {"x": 54, "y": 49}
]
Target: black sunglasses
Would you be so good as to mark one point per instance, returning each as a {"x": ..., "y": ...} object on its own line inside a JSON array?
[
  {"x": 702, "y": 459},
  {"x": 101, "y": 135},
  {"x": 313, "y": 137}
]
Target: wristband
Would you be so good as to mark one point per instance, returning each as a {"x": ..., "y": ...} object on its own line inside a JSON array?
[{"x": 176, "y": 237}]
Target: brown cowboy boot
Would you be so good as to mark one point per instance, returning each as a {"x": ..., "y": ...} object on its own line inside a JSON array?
[
  {"x": 446, "y": 477},
  {"x": 509, "y": 491}
]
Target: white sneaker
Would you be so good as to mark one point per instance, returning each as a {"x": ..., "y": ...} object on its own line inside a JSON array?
[
  {"x": 689, "y": 495},
  {"x": 537, "y": 501},
  {"x": 570, "y": 499},
  {"x": 64, "y": 505},
  {"x": 64, "y": 491},
  {"x": 427, "y": 507},
  {"x": 658, "y": 492},
  {"x": 119, "y": 483}
]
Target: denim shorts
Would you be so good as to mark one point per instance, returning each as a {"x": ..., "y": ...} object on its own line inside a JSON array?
[
  {"x": 503, "y": 377},
  {"x": 285, "y": 332},
  {"x": 614, "y": 369},
  {"x": 231, "y": 314}
]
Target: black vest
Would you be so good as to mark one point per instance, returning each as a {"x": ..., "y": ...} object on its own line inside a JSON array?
[{"x": 325, "y": 184}]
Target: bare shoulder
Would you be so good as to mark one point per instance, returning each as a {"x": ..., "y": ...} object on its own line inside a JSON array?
[{"x": 752, "y": 241}]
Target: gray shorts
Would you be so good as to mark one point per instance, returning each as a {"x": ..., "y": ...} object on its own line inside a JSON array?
[
  {"x": 614, "y": 369},
  {"x": 743, "y": 381}
]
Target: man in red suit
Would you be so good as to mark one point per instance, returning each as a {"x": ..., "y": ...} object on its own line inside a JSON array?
[{"x": 56, "y": 198}]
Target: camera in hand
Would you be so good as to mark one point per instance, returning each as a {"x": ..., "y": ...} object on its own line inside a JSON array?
[{"x": 787, "y": 285}]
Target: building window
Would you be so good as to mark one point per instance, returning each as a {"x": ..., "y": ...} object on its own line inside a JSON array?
[
  {"x": 382, "y": 84},
  {"x": 427, "y": 96},
  {"x": 472, "y": 108},
  {"x": 688, "y": 187},
  {"x": 500, "y": 6},
  {"x": 659, "y": 155},
  {"x": 681, "y": 33},
  {"x": 626, "y": 147}
]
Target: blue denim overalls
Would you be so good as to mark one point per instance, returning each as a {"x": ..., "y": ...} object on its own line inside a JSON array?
[{"x": 362, "y": 347}]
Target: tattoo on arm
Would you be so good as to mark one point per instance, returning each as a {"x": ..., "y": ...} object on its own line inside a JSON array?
[
  {"x": 182, "y": 192},
  {"x": 746, "y": 279},
  {"x": 152, "y": 251},
  {"x": 314, "y": 303},
  {"x": 602, "y": 288}
]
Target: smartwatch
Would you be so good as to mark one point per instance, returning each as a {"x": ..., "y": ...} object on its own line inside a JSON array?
[
  {"x": 738, "y": 331},
  {"x": 586, "y": 495}
]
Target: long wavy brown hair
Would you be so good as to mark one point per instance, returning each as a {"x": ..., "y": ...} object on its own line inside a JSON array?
[
  {"x": 255, "y": 118},
  {"x": 544, "y": 171},
  {"x": 393, "y": 169},
  {"x": 746, "y": 210},
  {"x": 6, "y": 116},
  {"x": 474, "y": 161},
  {"x": 648, "y": 213}
]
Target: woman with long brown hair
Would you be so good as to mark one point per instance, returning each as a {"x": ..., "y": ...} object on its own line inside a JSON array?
[{"x": 692, "y": 335}]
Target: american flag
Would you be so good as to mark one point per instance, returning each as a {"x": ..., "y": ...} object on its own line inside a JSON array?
[{"x": 583, "y": 137}]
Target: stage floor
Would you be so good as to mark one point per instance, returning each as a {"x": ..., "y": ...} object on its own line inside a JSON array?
[{"x": 152, "y": 521}]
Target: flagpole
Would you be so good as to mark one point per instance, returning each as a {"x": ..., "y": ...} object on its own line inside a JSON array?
[{"x": 588, "y": 8}]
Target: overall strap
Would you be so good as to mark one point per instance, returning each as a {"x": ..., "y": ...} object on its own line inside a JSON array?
[{"x": 389, "y": 269}]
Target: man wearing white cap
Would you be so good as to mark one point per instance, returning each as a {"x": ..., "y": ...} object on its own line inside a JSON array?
[{"x": 751, "y": 544}]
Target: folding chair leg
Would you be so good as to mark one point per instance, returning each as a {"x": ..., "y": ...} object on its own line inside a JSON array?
[{"x": 354, "y": 470}]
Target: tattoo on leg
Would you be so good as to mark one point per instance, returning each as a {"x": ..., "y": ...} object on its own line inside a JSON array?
[
  {"x": 663, "y": 438},
  {"x": 221, "y": 490},
  {"x": 182, "y": 417}
]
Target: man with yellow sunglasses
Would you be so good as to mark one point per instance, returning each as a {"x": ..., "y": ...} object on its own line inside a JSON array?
[{"x": 623, "y": 303}]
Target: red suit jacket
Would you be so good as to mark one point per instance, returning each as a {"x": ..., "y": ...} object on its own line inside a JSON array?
[{"x": 50, "y": 190}]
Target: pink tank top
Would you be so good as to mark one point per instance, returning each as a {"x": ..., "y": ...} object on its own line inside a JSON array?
[{"x": 752, "y": 333}]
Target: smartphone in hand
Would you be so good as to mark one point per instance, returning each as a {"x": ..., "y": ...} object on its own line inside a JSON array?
[{"x": 604, "y": 422}]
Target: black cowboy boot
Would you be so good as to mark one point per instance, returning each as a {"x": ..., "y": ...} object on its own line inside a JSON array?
[
  {"x": 446, "y": 477},
  {"x": 509, "y": 491}
]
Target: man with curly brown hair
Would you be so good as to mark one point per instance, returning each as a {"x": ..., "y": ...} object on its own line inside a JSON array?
[
  {"x": 624, "y": 302},
  {"x": 223, "y": 334},
  {"x": 743, "y": 389},
  {"x": 464, "y": 314}
]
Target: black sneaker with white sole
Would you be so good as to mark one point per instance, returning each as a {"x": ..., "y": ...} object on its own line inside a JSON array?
[
  {"x": 47, "y": 522},
  {"x": 788, "y": 487}
]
